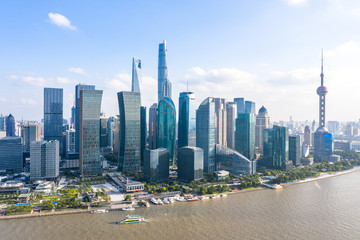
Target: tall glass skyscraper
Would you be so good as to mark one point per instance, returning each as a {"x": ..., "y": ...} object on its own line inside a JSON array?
[
  {"x": 245, "y": 135},
  {"x": 78, "y": 88},
  {"x": 142, "y": 133},
  {"x": 205, "y": 132},
  {"x": 2, "y": 122},
  {"x": 191, "y": 164},
  {"x": 220, "y": 121},
  {"x": 250, "y": 107},
  {"x": 262, "y": 122},
  {"x": 10, "y": 125},
  {"x": 156, "y": 165},
  {"x": 164, "y": 85},
  {"x": 129, "y": 132},
  {"x": 89, "y": 132},
  {"x": 230, "y": 125},
  {"x": 167, "y": 127},
  {"x": 44, "y": 160},
  {"x": 53, "y": 115},
  {"x": 294, "y": 149},
  {"x": 187, "y": 120},
  {"x": 11, "y": 154},
  {"x": 136, "y": 75},
  {"x": 153, "y": 126},
  {"x": 240, "y": 103}
]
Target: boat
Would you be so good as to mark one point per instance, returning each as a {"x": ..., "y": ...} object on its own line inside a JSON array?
[
  {"x": 223, "y": 195},
  {"x": 166, "y": 201},
  {"x": 160, "y": 202},
  {"x": 154, "y": 201},
  {"x": 131, "y": 219},
  {"x": 214, "y": 196},
  {"x": 128, "y": 208},
  {"x": 100, "y": 211},
  {"x": 181, "y": 199},
  {"x": 147, "y": 204},
  {"x": 277, "y": 187},
  {"x": 193, "y": 199},
  {"x": 204, "y": 197},
  {"x": 171, "y": 199}
]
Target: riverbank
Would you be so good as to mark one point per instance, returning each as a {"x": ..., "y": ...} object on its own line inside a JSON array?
[{"x": 322, "y": 176}]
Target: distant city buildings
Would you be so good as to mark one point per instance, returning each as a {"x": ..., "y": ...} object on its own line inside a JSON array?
[
  {"x": 307, "y": 136},
  {"x": 30, "y": 132},
  {"x": 262, "y": 122},
  {"x": 103, "y": 131},
  {"x": 44, "y": 160},
  {"x": 187, "y": 120}
]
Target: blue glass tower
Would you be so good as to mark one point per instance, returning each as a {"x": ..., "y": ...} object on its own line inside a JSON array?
[
  {"x": 250, "y": 107},
  {"x": 205, "y": 132},
  {"x": 187, "y": 120},
  {"x": 240, "y": 105},
  {"x": 129, "y": 132},
  {"x": 167, "y": 127},
  {"x": 10, "y": 125},
  {"x": 136, "y": 75},
  {"x": 164, "y": 85},
  {"x": 245, "y": 135}
]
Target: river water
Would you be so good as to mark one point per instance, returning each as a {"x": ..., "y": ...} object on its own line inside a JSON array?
[{"x": 324, "y": 209}]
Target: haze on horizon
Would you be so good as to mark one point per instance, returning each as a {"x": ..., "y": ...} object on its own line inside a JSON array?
[{"x": 268, "y": 52}]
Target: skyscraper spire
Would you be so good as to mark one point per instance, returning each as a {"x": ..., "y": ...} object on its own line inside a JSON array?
[
  {"x": 322, "y": 68},
  {"x": 136, "y": 75},
  {"x": 164, "y": 85}
]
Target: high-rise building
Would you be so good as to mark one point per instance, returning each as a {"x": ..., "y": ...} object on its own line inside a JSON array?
[
  {"x": 220, "y": 121},
  {"x": 205, "y": 132},
  {"x": 53, "y": 115},
  {"x": 156, "y": 165},
  {"x": 234, "y": 162},
  {"x": 70, "y": 141},
  {"x": 136, "y": 75},
  {"x": 73, "y": 111},
  {"x": 164, "y": 85},
  {"x": 276, "y": 148},
  {"x": 129, "y": 132},
  {"x": 10, "y": 125},
  {"x": 116, "y": 148},
  {"x": 240, "y": 104},
  {"x": 230, "y": 124},
  {"x": 250, "y": 107},
  {"x": 262, "y": 122},
  {"x": 29, "y": 133},
  {"x": 245, "y": 135},
  {"x": 44, "y": 160},
  {"x": 2, "y": 122},
  {"x": 11, "y": 154},
  {"x": 294, "y": 149},
  {"x": 191, "y": 164},
  {"x": 111, "y": 132},
  {"x": 153, "y": 127},
  {"x": 167, "y": 127},
  {"x": 78, "y": 89},
  {"x": 307, "y": 136},
  {"x": 103, "y": 131},
  {"x": 89, "y": 132},
  {"x": 143, "y": 132},
  {"x": 323, "y": 140},
  {"x": 187, "y": 120}
]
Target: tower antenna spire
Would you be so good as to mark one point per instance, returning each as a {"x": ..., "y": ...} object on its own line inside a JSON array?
[{"x": 322, "y": 68}]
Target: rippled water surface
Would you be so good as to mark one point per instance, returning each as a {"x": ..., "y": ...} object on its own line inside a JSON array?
[{"x": 325, "y": 209}]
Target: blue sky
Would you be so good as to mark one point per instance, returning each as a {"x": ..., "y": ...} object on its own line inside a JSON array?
[{"x": 267, "y": 51}]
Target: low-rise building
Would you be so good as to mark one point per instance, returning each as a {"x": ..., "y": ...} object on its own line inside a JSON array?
[{"x": 221, "y": 175}]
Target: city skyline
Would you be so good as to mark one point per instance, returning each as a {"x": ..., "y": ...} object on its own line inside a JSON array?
[{"x": 280, "y": 73}]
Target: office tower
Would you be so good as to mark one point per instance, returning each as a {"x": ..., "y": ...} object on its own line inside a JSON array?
[
  {"x": 10, "y": 125},
  {"x": 116, "y": 149},
  {"x": 190, "y": 164},
  {"x": 250, "y": 107},
  {"x": 294, "y": 150},
  {"x": 29, "y": 133},
  {"x": 2, "y": 122},
  {"x": 220, "y": 121},
  {"x": 276, "y": 148},
  {"x": 111, "y": 132},
  {"x": 44, "y": 160},
  {"x": 187, "y": 120},
  {"x": 129, "y": 132},
  {"x": 262, "y": 122},
  {"x": 164, "y": 85},
  {"x": 167, "y": 127},
  {"x": 307, "y": 136},
  {"x": 205, "y": 132},
  {"x": 334, "y": 127},
  {"x": 136, "y": 75},
  {"x": 73, "y": 111},
  {"x": 349, "y": 130},
  {"x": 323, "y": 140},
  {"x": 53, "y": 115},
  {"x": 231, "y": 113},
  {"x": 153, "y": 127},
  {"x": 103, "y": 131},
  {"x": 245, "y": 135},
  {"x": 240, "y": 103},
  {"x": 156, "y": 165},
  {"x": 78, "y": 89},
  {"x": 234, "y": 162},
  {"x": 70, "y": 141},
  {"x": 11, "y": 154},
  {"x": 89, "y": 132},
  {"x": 143, "y": 132}
]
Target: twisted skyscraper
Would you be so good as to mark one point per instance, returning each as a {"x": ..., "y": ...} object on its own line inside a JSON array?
[{"x": 164, "y": 85}]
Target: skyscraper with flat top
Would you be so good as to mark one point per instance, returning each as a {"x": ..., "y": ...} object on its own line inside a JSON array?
[
  {"x": 129, "y": 132},
  {"x": 53, "y": 115},
  {"x": 220, "y": 121},
  {"x": 136, "y": 75},
  {"x": 10, "y": 125},
  {"x": 89, "y": 132},
  {"x": 153, "y": 126},
  {"x": 164, "y": 85},
  {"x": 245, "y": 135},
  {"x": 230, "y": 124},
  {"x": 187, "y": 120}
]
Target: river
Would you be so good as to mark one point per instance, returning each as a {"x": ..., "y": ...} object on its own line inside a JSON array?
[{"x": 323, "y": 209}]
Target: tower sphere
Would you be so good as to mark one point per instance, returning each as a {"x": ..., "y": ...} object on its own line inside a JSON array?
[{"x": 322, "y": 91}]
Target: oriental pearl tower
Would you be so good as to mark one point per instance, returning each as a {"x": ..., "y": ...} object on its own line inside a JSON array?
[{"x": 322, "y": 91}]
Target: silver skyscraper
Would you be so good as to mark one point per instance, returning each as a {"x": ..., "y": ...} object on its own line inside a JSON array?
[
  {"x": 164, "y": 85},
  {"x": 136, "y": 75}
]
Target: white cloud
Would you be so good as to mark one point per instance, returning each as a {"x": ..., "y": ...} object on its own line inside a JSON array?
[
  {"x": 77, "y": 70},
  {"x": 295, "y": 2},
  {"x": 41, "y": 81},
  {"x": 60, "y": 21},
  {"x": 28, "y": 101},
  {"x": 63, "y": 80},
  {"x": 121, "y": 82},
  {"x": 347, "y": 49},
  {"x": 37, "y": 81},
  {"x": 3, "y": 100}
]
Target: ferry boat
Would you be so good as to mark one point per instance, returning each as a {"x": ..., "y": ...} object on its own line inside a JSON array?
[
  {"x": 277, "y": 187},
  {"x": 100, "y": 211},
  {"x": 128, "y": 208},
  {"x": 204, "y": 197},
  {"x": 171, "y": 199},
  {"x": 160, "y": 202},
  {"x": 223, "y": 195},
  {"x": 147, "y": 204},
  {"x": 214, "y": 196},
  {"x": 131, "y": 219},
  {"x": 166, "y": 201},
  {"x": 154, "y": 201},
  {"x": 193, "y": 199}
]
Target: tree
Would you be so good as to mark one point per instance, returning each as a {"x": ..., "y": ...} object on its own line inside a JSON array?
[{"x": 128, "y": 198}]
